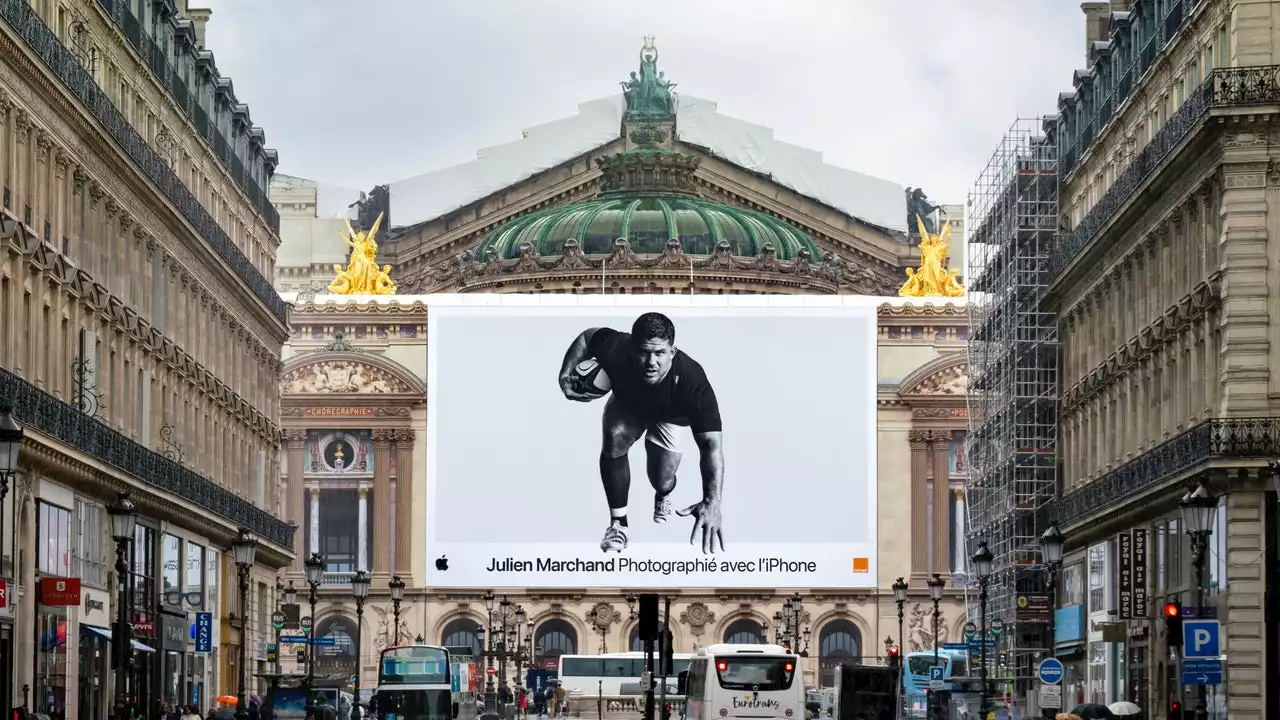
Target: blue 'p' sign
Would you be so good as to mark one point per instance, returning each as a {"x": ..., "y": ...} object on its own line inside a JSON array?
[{"x": 1200, "y": 639}]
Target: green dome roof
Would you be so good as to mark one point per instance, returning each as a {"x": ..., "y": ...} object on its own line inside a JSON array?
[{"x": 648, "y": 198}]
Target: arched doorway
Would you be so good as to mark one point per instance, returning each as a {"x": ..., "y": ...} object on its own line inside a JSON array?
[
  {"x": 340, "y": 657},
  {"x": 634, "y": 643},
  {"x": 554, "y": 638},
  {"x": 744, "y": 632},
  {"x": 462, "y": 632},
  {"x": 839, "y": 643}
]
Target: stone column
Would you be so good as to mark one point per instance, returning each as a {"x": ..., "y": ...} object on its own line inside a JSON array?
[
  {"x": 383, "y": 537},
  {"x": 295, "y": 443},
  {"x": 919, "y": 440},
  {"x": 315, "y": 519},
  {"x": 362, "y": 530},
  {"x": 941, "y": 446},
  {"x": 404, "y": 503}
]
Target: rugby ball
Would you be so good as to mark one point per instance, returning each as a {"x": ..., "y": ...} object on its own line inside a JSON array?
[{"x": 590, "y": 379}]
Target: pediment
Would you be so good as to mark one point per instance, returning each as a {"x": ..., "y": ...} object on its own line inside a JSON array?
[
  {"x": 947, "y": 375},
  {"x": 347, "y": 373}
]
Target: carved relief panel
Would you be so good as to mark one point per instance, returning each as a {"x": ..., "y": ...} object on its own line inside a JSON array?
[{"x": 339, "y": 451}]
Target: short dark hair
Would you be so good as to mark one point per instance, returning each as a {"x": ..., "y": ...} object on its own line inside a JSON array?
[{"x": 654, "y": 326}]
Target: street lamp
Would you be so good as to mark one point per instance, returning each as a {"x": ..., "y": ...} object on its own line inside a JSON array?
[
  {"x": 360, "y": 589},
  {"x": 982, "y": 561},
  {"x": 124, "y": 520},
  {"x": 314, "y": 567},
  {"x": 900, "y": 588},
  {"x": 10, "y": 443},
  {"x": 397, "y": 595},
  {"x": 521, "y": 617},
  {"x": 1051, "y": 543},
  {"x": 1199, "y": 510},
  {"x": 288, "y": 598},
  {"x": 936, "y": 586},
  {"x": 244, "y": 548},
  {"x": 484, "y": 633}
]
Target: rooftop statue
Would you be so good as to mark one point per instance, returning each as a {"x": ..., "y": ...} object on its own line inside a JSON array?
[
  {"x": 362, "y": 275},
  {"x": 649, "y": 93},
  {"x": 932, "y": 278},
  {"x": 919, "y": 207}
]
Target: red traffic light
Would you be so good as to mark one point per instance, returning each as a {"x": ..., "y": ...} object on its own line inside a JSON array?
[
  {"x": 1172, "y": 610},
  {"x": 894, "y": 651}
]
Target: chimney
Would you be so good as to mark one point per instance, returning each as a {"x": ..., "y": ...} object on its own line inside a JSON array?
[
  {"x": 199, "y": 17},
  {"x": 1097, "y": 26}
]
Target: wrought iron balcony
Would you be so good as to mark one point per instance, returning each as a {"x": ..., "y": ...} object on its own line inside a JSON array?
[
  {"x": 67, "y": 68},
  {"x": 1230, "y": 87},
  {"x": 177, "y": 86},
  {"x": 1237, "y": 438},
  {"x": 50, "y": 416}
]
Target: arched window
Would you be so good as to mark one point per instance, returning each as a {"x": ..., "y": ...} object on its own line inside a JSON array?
[
  {"x": 839, "y": 643},
  {"x": 461, "y": 632},
  {"x": 339, "y": 657},
  {"x": 634, "y": 643},
  {"x": 744, "y": 632},
  {"x": 555, "y": 638}
]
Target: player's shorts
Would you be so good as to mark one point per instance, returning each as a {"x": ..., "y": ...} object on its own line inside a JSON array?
[{"x": 660, "y": 434}]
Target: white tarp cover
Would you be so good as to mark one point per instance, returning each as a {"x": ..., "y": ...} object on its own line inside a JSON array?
[{"x": 752, "y": 147}]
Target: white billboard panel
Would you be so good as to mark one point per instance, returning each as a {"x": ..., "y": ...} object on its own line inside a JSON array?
[{"x": 651, "y": 443}]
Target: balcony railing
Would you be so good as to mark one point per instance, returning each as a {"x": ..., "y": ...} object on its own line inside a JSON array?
[
  {"x": 177, "y": 86},
  {"x": 1230, "y": 87},
  {"x": 40, "y": 411},
  {"x": 1239, "y": 438},
  {"x": 67, "y": 68}
]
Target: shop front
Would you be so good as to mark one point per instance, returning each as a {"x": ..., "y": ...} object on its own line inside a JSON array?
[
  {"x": 6, "y": 647},
  {"x": 94, "y": 655},
  {"x": 173, "y": 663},
  {"x": 1069, "y": 642}
]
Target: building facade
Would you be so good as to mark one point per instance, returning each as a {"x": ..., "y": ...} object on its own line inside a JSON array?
[
  {"x": 1158, "y": 299},
  {"x": 653, "y": 208},
  {"x": 136, "y": 240}
]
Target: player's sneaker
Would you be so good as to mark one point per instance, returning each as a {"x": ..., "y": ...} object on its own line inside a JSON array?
[
  {"x": 615, "y": 539},
  {"x": 661, "y": 509}
]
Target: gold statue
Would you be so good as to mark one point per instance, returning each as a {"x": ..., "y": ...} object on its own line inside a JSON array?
[
  {"x": 932, "y": 278},
  {"x": 362, "y": 276}
]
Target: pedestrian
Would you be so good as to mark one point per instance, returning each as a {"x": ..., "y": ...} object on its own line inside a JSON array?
[
  {"x": 523, "y": 696},
  {"x": 560, "y": 703},
  {"x": 540, "y": 701},
  {"x": 190, "y": 712}
]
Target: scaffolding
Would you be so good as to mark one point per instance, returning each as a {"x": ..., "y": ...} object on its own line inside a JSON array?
[{"x": 1013, "y": 403}]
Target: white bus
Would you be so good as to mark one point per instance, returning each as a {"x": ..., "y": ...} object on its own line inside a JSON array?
[
  {"x": 744, "y": 681},
  {"x": 607, "y": 674}
]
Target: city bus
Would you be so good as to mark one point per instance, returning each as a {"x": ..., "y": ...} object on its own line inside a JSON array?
[
  {"x": 744, "y": 681},
  {"x": 607, "y": 674},
  {"x": 414, "y": 683},
  {"x": 915, "y": 676}
]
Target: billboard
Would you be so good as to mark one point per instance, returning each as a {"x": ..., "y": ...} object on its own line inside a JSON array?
[{"x": 651, "y": 442}]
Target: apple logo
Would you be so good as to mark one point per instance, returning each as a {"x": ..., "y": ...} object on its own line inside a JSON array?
[{"x": 442, "y": 563}]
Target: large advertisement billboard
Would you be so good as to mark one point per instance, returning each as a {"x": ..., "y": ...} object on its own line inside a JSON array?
[{"x": 634, "y": 444}]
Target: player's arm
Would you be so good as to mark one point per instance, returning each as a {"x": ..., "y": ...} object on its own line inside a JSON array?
[
  {"x": 711, "y": 463},
  {"x": 708, "y": 434},
  {"x": 579, "y": 351}
]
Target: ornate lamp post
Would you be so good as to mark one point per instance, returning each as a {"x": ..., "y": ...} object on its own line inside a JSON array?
[
  {"x": 1051, "y": 544},
  {"x": 900, "y": 588},
  {"x": 244, "y": 548},
  {"x": 936, "y": 586},
  {"x": 1199, "y": 510},
  {"x": 596, "y": 621},
  {"x": 397, "y": 595},
  {"x": 360, "y": 589},
  {"x": 124, "y": 520},
  {"x": 284, "y": 598},
  {"x": 520, "y": 657},
  {"x": 314, "y": 567},
  {"x": 982, "y": 561},
  {"x": 490, "y": 692}
]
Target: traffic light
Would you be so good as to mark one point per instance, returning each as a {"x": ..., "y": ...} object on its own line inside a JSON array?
[
  {"x": 895, "y": 657},
  {"x": 1173, "y": 624},
  {"x": 1175, "y": 711},
  {"x": 667, "y": 658}
]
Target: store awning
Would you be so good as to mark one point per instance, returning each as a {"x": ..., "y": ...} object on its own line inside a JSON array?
[{"x": 106, "y": 633}]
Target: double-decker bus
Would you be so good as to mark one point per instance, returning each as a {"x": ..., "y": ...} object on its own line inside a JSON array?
[{"x": 414, "y": 683}]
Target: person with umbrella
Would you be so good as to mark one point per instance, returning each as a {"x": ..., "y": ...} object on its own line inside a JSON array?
[{"x": 1092, "y": 711}]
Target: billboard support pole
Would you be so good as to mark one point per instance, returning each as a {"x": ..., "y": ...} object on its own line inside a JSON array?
[
  {"x": 648, "y": 666},
  {"x": 665, "y": 637}
]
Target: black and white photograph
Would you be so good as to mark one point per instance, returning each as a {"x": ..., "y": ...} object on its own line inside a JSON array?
[{"x": 651, "y": 446}]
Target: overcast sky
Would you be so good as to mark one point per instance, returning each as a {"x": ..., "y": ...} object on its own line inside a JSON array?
[{"x": 917, "y": 92}]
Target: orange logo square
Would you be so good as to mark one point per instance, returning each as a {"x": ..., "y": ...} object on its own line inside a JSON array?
[{"x": 861, "y": 565}]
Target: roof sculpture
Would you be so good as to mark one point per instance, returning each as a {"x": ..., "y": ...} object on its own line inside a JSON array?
[
  {"x": 362, "y": 275},
  {"x": 932, "y": 278}
]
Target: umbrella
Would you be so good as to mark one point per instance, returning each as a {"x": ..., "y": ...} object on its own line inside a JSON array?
[
  {"x": 228, "y": 700},
  {"x": 1092, "y": 711},
  {"x": 1124, "y": 708}
]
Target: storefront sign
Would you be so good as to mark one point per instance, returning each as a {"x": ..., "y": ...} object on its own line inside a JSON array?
[
  {"x": 174, "y": 631},
  {"x": 1068, "y": 625},
  {"x": 1140, "y": 574},
  {"x": 204, "y": 632},
  {"x": 1125, "y": 554},
  {"x": 143, "y": 627},
  {"x": 337, "y": 411},
  {"x": 4, "y": 593},
  {"x": 1034, "y": 607},
  {"x": 93, "y": 611},
  {"x": 60, "y": 592}
]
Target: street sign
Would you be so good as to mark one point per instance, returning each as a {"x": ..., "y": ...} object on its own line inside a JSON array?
[
  {"x": 1050, "y": 671},
  {"x": 204, "y": 632},
  {"x": 997, "y": 626},
  {"x": 305, "y": 622},
  {"x": 970, "y": 629},
  {"x": 277, "y": 620},
  {"x": 1202, "y": 672},
  {"x": 293, "y": 639},
  {"x": 935, "y": 677},
  {"x": 491, "y": 671},
  {"x": 1200, "y": 639},
  {"x": 1051, "y": 697},
  {"x": 955, "y": 646},
  {"x": 975, "y": 645}
]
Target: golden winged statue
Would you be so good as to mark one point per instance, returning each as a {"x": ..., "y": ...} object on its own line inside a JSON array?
[
  {"x": 932, "y": 278},
  {"x": 362, "y": 276}
]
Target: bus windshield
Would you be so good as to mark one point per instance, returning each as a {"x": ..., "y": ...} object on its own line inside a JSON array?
[
  {"x": 414, "y": 704},
  {"x": 414, "y": 665},
  {"x": 755, "y": 673}
]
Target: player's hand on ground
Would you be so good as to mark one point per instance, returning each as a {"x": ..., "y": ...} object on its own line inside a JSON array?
[
  {"x": 706, "y": 517},
  {"x": 570, "y": 392}
]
